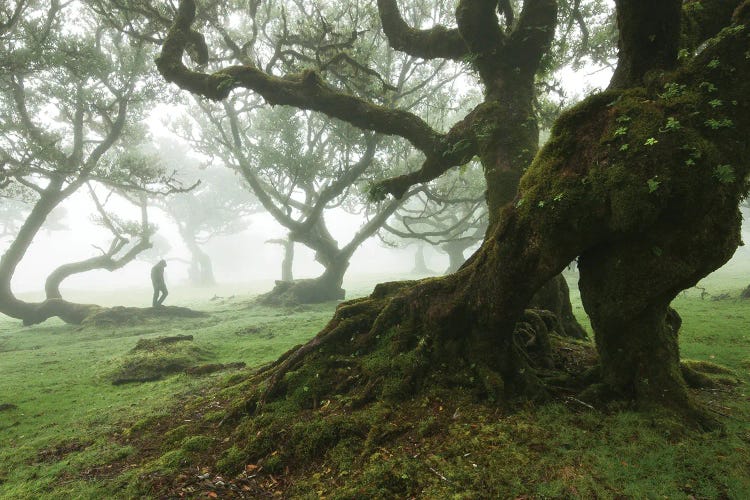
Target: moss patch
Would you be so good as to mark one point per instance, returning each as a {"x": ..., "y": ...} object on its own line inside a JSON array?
[{"x": 152, "y": 359}]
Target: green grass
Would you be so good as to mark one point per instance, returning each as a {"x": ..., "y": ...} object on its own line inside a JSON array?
[
  {"x": 68, "y": 413},
  {"x": 59, "y": 377}
]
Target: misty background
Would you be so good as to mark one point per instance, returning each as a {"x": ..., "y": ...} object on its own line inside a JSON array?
[{"x": 243, "y": 262}]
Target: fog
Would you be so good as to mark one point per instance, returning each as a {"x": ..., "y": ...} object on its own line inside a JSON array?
[
  {"x": 245, "y": 261},
  {"x": 242, "y": 262}
]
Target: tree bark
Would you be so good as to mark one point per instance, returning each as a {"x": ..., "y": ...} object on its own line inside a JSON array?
[
  {"x": 646, "y": 42},
  {"x": 555, "y": 297}
]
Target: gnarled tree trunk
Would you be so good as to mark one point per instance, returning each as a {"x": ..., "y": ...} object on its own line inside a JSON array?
[
  {"x": 455, "y": 252},
  {"x": 33, "y": 313},
  {"x": 594, "y": 192},
  {"x": 107, "y": 261},
  {"x": 420, "y": 266}
]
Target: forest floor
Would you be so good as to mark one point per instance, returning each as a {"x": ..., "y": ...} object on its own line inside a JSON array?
[{"x": 65, "y": 428}]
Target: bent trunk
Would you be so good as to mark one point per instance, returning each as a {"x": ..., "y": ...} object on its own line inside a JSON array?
[
  {"x": 33, "y": 313},
  {"x": 201, "y": 269},
  {"x": 455, "y": 252},
  {"x": 107, "y": 262}
]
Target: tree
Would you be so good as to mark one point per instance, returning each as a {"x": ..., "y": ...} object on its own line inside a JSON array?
[
  {"x": 301, "y": 165},
  {"x": 218, "y": 206},
  {"x": 643, "y": 181},
  {"x": 69, "y": 108},
  {"x": 299, "y": 168}
]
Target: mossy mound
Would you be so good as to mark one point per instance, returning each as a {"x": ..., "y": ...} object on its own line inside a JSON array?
[
  {"x": 298, "y": 292},
  {"x": 213, "y": 367},
  {"x": 127, "y": 316},
  {"x": 153, "y": 359}
]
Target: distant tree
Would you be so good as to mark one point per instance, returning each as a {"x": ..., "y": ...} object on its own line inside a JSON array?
[
  {"x": 70, "y": 102},
  {"x": 218, "y": 206},
  {"x": 450, "y": 215},
  {"x": 299, "y": 168},
  {"x": 300, "y": 165},
  {"x": 287, "y": 261}
]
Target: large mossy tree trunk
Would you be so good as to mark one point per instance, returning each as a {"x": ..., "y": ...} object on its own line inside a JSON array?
[
  {"x": 669, "y": 186},
  {"x": 639, "y": 247}
]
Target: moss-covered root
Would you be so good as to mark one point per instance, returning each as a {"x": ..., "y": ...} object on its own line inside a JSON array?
[{"x": 405, "y": 337}]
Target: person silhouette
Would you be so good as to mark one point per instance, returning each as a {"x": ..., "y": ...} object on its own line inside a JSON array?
[{"x": 160, "y": 287}]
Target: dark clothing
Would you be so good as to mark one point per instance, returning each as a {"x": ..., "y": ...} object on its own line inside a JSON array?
[{"x": 160, "y": 287}]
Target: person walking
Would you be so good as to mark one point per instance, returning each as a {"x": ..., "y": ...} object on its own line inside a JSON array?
[{"x": 157, "y": 279}]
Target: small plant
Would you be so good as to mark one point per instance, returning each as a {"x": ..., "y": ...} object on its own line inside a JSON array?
[
  {"x": 690, "y": 162},
  {"x": 708, "y": 86},
  {"x": 672, "y": 125},
  {"x": 724, "y": 174},
  {"x": 714, "y": 63},
  {"x": 672, "y": 90},
  {"x": 650, "y": 141},
  {"x": 715, "y": 103},
  {"x": 624, "y": 147},
  {"x": 621, "y": 131},
  {"x": 715, "y": 124},
  {"x": 653, "y": 184},
  {"x": 623, "y": 119}
]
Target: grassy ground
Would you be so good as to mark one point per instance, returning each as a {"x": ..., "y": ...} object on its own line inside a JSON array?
[{"x": 57, "y": 442}]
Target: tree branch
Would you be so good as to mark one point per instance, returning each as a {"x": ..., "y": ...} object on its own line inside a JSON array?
[
  {"x": 437, "y": 42},
  {"x": 305, "y": 91}
]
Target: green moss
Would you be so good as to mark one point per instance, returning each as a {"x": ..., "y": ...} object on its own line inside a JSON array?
[
  {"x": 171, "y": 461},
  {"x": 177, "y": 434},
  {"x": 232, "y": 461},
  {"x": 196, "y": 444}
]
